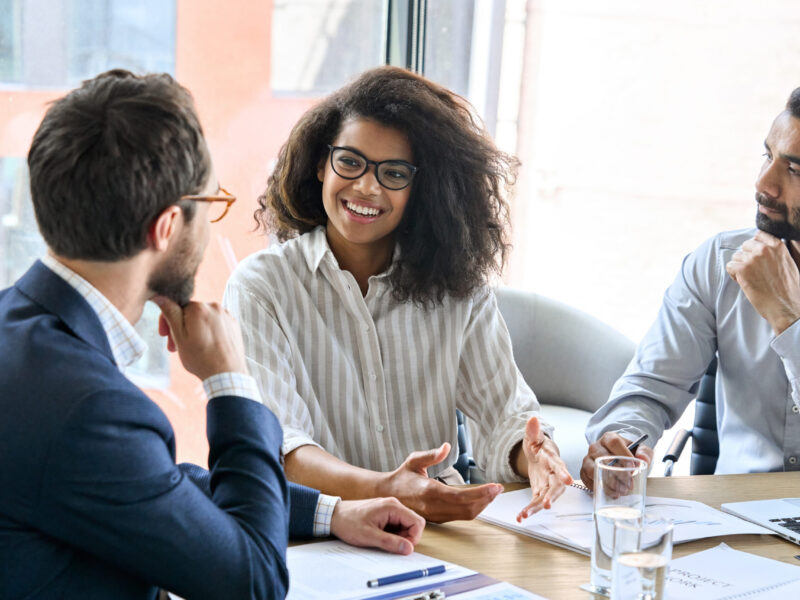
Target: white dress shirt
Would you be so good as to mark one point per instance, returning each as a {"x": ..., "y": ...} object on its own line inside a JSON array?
[
  {"x": 371, "y": 380},
  {"x": 758, "y": 375}
]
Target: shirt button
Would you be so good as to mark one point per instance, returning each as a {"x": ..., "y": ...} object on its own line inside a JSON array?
[
  {"x": 795, "y": 409},
  {"x": 792, "y": 460},
  {"x": 373, "y": 376},
  {"x": 379, "y": 428},
  {"x": 365, "y": 327}
]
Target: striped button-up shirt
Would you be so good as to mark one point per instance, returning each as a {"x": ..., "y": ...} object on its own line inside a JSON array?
[{"x": 371, "y": 380}]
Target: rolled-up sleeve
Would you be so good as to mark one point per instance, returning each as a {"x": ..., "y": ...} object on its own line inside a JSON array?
[
  {"x": 663, "y": 376},
  {"x": 491, "y": 390}
]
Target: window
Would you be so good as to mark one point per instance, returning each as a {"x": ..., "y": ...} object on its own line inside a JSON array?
[
  {"x": 50, "y": 43},
  {"x": 20, "y": 241},
  {"x": 317, "y": 45},
  {"x": 53, "y": 43}
]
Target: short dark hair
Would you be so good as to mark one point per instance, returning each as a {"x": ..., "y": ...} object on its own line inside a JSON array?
[
  {"x": 109, "y": 157},
  {"x": 453, "y": 232},
  {"x": 793, "y": 104}
]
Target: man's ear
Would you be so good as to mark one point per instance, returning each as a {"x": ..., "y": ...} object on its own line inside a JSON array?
[{"x": 164, "y": 228}]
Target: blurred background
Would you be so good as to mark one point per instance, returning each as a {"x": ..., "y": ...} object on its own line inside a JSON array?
[{"x": 639, "y": 125}]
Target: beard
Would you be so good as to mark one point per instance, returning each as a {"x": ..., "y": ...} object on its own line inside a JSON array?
[
  {"x": 174, "y": 278},
  {"x": 786, "y": 229}
]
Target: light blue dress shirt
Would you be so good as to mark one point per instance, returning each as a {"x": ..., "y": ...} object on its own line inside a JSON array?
[{"x": 758, "y": 375}]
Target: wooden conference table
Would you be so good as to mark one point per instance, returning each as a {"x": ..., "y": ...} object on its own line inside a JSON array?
[{"x": 555, "y": 573}]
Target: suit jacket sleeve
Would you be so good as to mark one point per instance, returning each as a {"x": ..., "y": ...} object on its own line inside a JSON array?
[
  {"x": 303, "y": 501},
  {"x": 111, "y": 488}
]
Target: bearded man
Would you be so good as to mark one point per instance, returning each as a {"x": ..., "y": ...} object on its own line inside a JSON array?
[{"x": 736, "y": 298}]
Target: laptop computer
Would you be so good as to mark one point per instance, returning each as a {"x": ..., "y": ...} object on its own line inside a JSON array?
[{"x": 781, "y": 515}]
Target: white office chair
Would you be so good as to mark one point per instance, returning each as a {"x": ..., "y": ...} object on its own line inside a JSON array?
[{"x": 569, "y": 358}]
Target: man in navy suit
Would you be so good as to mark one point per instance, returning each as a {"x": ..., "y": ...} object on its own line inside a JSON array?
[{"x": 92, "y": 504}]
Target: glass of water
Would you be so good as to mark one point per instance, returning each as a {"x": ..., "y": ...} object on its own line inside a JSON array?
[
  {"x": 619, "y": 493},
  {"x": 641, "y": 560}
]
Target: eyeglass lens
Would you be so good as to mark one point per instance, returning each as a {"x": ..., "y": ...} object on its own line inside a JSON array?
[{"x": 393, "y": 175}]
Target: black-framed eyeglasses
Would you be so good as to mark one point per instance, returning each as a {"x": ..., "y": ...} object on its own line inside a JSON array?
[
  {"x": 217, "y": 210},
  {"x": 351, "y": 164}
]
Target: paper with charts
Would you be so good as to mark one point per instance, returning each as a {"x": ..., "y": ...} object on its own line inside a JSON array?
[{"x": 569, "y": 523}]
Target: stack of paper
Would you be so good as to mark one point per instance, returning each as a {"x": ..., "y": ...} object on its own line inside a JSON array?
[
  {"x": 723, "y": 573},
  {"x": 569, "y": 523},
  {"x": 335, "y": 571}
]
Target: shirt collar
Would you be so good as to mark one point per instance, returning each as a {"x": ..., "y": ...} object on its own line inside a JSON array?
[
  {"x": 127, "y": 345},
  {"x": 315, "y": 248}
]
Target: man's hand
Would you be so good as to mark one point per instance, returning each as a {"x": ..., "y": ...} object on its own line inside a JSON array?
[
  {"x": 547, "y": 472},
  {"x": 610, "y": 444},
  {"x": 768, "y": 276},
  {"x": 206, "y": 337},
  {"x": 435, "y": 501},
  {"x": 377, "y": 523}
]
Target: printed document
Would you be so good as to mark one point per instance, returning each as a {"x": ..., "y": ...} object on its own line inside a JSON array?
[
  {"x": 723, "y": 573},
  {"x": 336, "y": 571},
  {"x": 569, "y": 523}
]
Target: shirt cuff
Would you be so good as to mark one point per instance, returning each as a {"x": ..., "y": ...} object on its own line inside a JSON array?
[
  {"x": 786, "y": 345},
  {"x": 232, "y": 384},
  {"x": 324, "y": 515}
]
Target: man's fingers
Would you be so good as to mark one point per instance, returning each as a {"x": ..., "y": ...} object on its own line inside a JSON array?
[
  {"x": 767, "y": 238},
  {"x": 615, "y": 445},
  {"x": 404, "y": 522},
  {"x": 164, "y": 330},
  {"x": 172, "y": 313},
  {"x": 587, "y": 472},
  {"x": 645, "y": 453},
  {"x": 391, "y": 542}
]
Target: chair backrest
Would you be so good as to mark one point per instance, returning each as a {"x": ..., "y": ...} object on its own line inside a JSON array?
[
  {"x": 464, "y": 460},
  {"x": 705, "y": 441},
  {"x": 568, "y": 357}
]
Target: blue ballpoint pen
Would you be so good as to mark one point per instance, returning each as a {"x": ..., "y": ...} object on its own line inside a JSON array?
[{"x": 406, "y": 576}]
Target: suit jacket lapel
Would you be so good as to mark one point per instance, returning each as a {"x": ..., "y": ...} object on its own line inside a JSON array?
[{"x": 54, "y": 294}]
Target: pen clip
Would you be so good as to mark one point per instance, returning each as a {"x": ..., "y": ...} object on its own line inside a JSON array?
[{"x": 432, "y": 595}]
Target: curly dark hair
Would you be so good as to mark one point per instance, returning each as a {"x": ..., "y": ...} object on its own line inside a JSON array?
[{"x": 453, "y": 232}]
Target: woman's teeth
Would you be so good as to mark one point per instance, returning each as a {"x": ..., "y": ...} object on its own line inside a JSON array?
[{"x": 362, "y": 210}]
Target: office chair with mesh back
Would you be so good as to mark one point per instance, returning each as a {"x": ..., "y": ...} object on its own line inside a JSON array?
[{"x": 705, "y": 441}]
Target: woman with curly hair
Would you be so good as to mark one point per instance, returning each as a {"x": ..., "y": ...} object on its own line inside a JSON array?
[{"x": 373, "y": 321}]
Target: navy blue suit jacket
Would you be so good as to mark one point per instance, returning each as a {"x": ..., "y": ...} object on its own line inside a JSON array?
[{"x": 92, "y": 504}]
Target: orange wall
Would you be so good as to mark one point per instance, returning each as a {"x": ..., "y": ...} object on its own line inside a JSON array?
[{"x": 223, "y": 57}]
